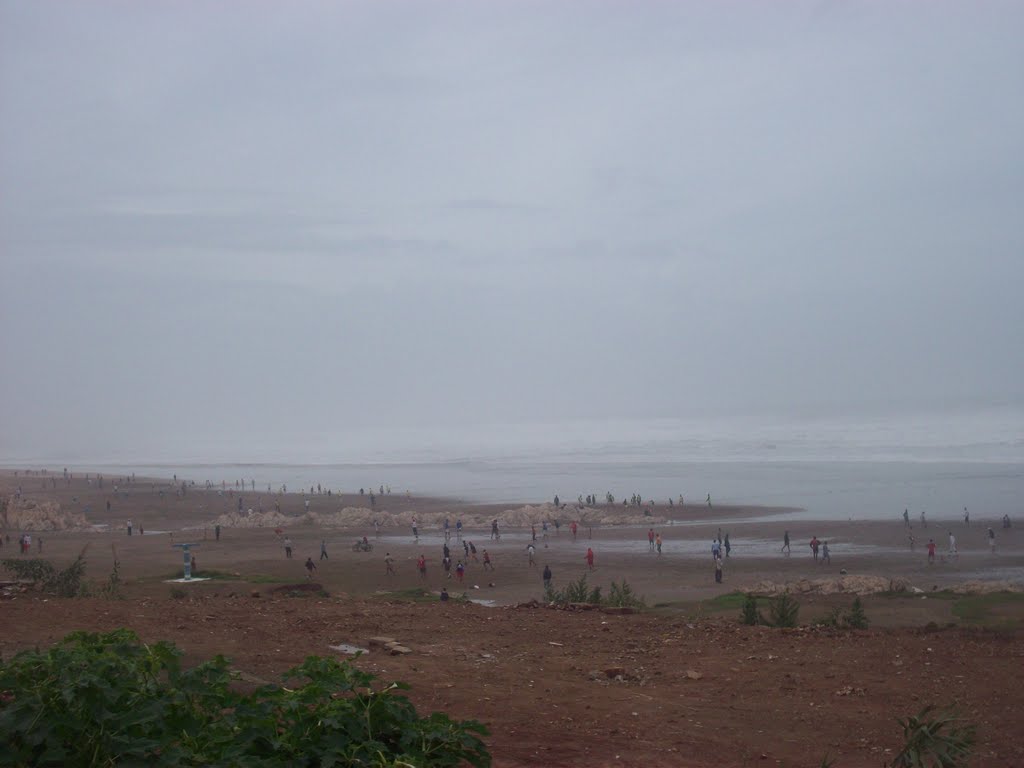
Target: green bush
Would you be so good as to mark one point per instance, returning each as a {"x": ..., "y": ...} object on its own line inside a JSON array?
[
  {"x": 66, "y": 583},
  {"x": 107, "y": 699},
  {"x": 623, "y": 596},
  {"x": 749, "y": 614},
  {"x": 935, "y": 742},
  {"x": 784, "y": 611},
  {"x": 856, "y": 618},
  {"x": 620, "y": 595}
]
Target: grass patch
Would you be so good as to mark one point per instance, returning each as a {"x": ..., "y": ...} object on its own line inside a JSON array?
[
  {"x": 412, "y": 595},
  {"x": 262, "y": 578},
  {"x": 997, "y": 609},
  {"x": 732, "y": 601}
]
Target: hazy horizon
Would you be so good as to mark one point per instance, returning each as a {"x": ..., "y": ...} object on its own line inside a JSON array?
[{"x": 230, "y": 233}]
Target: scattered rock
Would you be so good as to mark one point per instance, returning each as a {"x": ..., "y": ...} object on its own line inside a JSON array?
[
  {"x": 613, "y": 672},
  {"x": 399, "y": 650},
  {"x": 693, "y": 675},
  {"x": 380, "y": 642}
]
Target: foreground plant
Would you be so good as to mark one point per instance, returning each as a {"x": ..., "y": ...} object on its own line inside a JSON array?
[
  {"x": 108, "y": 699},
  {"x": 938, "y": 741}
]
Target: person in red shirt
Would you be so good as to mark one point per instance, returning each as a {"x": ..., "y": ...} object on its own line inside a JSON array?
[
  {"x": 572, "y": 527},
  {"x": 487, "y": 561},
  {"x": 590, "y": 558},
  {"x": 931, "y": 550},
  {"x": 422, "y": 565},
  {"x": 650, "y": 539},
  {"x": 460, "y": 571},
  {"x": 814, "y": 548}
]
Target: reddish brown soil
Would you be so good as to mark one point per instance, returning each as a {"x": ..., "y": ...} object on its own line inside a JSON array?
[{"x": 536, "y": 677}]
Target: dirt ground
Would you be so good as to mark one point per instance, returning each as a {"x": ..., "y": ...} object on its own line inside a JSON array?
[{"x": 681, "y": 683}]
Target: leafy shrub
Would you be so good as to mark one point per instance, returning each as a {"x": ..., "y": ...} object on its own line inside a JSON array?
[
  {"x": 106, "y": 699},
  {"x": 620, "y": 595},
  {"x": 112, "y": 589},
  {"x": 65, "y": 583},
  {"x": 856, "y": 618},
  {"x": 39, "y": 571},
  {"x": 749, "y": 614},
  {"x": 784, "y": 611},
  {"x": 623, "y": 596},
  {"x": 574, "y": 592},
  {"x": 935, "y": 742}
]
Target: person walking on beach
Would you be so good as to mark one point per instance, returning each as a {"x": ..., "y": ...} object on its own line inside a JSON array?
[
  {"x": 310, "y": 567},
  {"x": 952, "y": 545},
  {"x": 447, "y": 530},
  {"x": 906, "y": 518},
  {"x": 287, "y": 548},
  {"x": 716, "y": 549},
  {"x": 718, "y": 570},
  {"x": 825, "y": 557},
  {"x": 709, "y": 501},
  {"x": 967, "y": 517},
  {"x": 590, "y": 558},
  {"x": 991, "y": 541},
  {"x": 216, "y": 532},
  {"x": 323, "y": 549},
  {"x": 547, "y": 577},
  {"x": 814, "y": 547},
  {"x": 728, "y": 546},
  {"x": 785, "y": 544},
  {"x": 488, "y": 565},
  {"x": 129, "y": 527},
  {"x": 389, "y": 564},
  {"x": 494, "y": 530},
  {"x": 472, "y": 551},
  {"x": 910, "y": 538},
  {"x": 415, "y": 529},
  {"x": 446, "y": 563},
  {"x": 931, "y": 551},
  {"x": 924, "y": 523},
  {"x": 531, "y": 551},
  {"x": 572, "y": 527},
  {"x": 650, "y": 539},
  {"x": 657, "y": 543},
  {"x": 460, "y": 571},
  {"x": 421, "y": 564},
  {"x": 458, "y": 529}
]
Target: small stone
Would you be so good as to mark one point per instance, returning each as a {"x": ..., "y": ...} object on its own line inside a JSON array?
[
  {"x": 399, "y": 650},
  {"x": 694, "y": 675},
  {"x": 380, "y": 641}
]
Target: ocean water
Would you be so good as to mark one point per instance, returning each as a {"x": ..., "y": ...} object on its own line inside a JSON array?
[{"x": 865, "y": 469}]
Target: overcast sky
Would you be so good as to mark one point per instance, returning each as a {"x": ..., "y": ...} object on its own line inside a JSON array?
[{"x": 238, "y": 220}]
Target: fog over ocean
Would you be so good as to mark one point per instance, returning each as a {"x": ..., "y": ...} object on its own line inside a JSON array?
[{"x": 870, "y": 468}]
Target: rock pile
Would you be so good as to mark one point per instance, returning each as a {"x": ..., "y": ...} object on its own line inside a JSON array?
[
  {"x": 364, "y": 517},
  {"x": 853, "y": 585},
  {"x": 30, "y": 515}
]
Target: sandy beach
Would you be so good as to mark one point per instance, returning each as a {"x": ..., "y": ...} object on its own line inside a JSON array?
[{"x": 679, "y": 683}]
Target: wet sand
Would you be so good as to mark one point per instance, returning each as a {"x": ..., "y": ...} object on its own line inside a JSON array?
[{"x": 683, "y": 571}]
